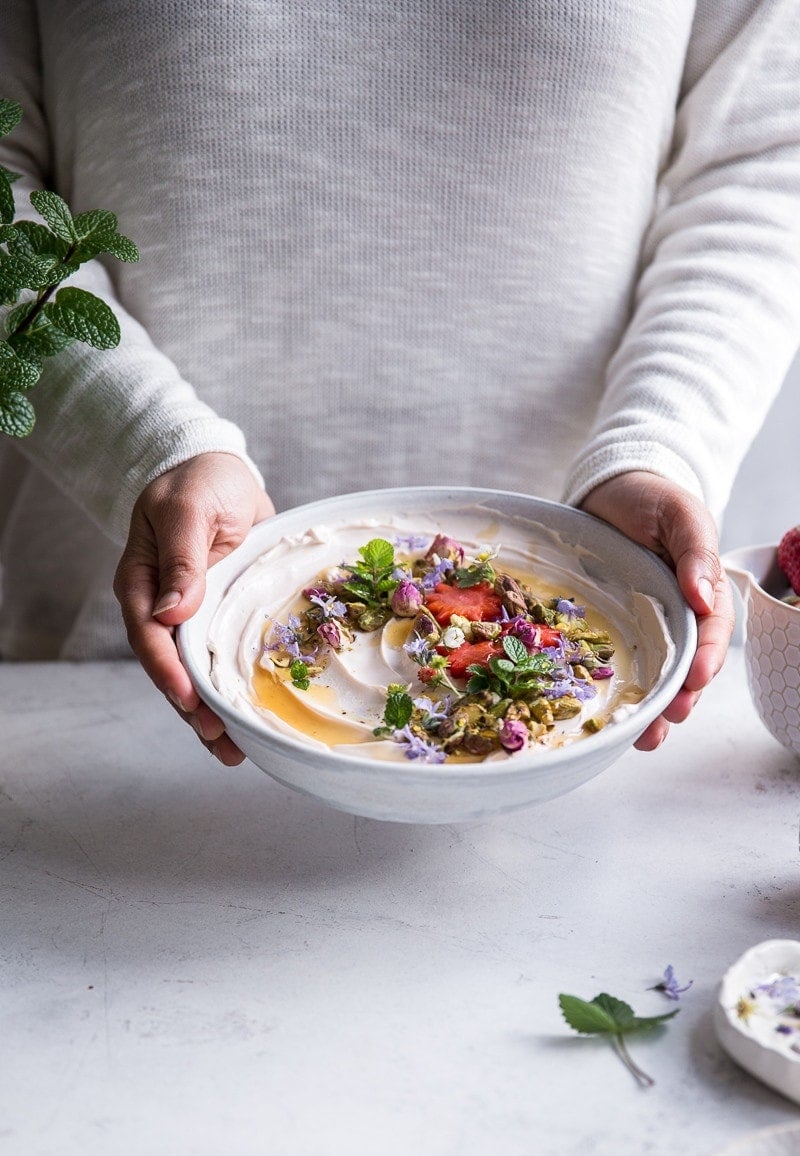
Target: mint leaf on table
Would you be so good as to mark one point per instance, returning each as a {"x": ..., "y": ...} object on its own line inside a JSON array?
[{"x": 607, "y": 1016}]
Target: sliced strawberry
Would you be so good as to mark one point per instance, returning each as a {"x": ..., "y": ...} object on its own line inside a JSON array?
[
  {"x": 542, "y": 635},
  {"x": 475, "y": 603},
  {"x": 468, "y": 653}
]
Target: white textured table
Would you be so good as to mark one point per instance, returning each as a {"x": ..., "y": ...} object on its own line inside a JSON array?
[{"x": 198, "y": 961}]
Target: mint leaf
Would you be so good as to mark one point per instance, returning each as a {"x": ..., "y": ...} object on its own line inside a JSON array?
[
  {"x": 55, "y": 211},
  {"x": 30, "y": 239},
  {"x": 608, "y": 1016},
  {"x": 122, "y": 248},
  {"x": 515, "y": 649},
  {"x": 15, "y": 373},
  {"x": 10, "y": 115},
  {"x": 16, "y": 414},
  {"x": 85, "y": 317},
  {"x": 399, "y": 707},
  {"x": 6, "y": 200},
  {"x": 378, "y": 554},
  {"x": 588, "y": 1016},
  {"x": 40, "y": 341}
]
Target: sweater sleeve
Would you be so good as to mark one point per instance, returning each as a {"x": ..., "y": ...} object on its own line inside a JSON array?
[
  {"x": 716, "y": 318},
  {"x": 107, "y": 422}
]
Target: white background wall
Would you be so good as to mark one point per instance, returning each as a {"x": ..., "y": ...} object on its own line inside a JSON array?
[{"x": 766, "y": 497}]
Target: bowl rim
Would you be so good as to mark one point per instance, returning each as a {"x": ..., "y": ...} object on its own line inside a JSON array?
[{"x": 534, "y": 761}]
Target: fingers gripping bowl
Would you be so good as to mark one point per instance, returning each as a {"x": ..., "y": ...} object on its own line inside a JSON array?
[{"x": 582, "y": 559}]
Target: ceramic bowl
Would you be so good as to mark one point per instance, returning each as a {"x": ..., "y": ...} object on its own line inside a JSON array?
[
  {"x": 771, "y": 640},
  {"x": 446, "y": 793},
  {"x": 751, "y": 1039}
]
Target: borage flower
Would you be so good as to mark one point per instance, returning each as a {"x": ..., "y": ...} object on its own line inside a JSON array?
[
  {"x": 669, "y": 984},
  {"x": 437, "y": 574},
  {"x": 569, "y": 609},
  {"x": 284, "y": 636},
  {"x": 418, "y": 748},
  {"x": 412, "y": 541},
  {"x": 329, "y": 604},
  {"x": 433, "y": 711},
  {"x": 418, "y": 649}
]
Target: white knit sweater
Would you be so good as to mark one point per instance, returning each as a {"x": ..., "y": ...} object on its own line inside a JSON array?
[{"x": 527, "y": 244}]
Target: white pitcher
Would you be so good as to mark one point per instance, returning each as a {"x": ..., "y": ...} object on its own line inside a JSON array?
[{"x": 772, "y": 640}]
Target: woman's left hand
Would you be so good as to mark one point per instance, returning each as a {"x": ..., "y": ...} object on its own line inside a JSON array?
[{"x": 675, "y": 524}]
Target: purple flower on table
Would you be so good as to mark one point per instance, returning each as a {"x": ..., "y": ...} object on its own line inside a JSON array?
[
  {"x": 418, "y": 748},
  {"x": 670, "y": 986},
  {"x": 569, "y": 608},
  {"x": 406, "y": 601},
  {"x": 513, "y": 735}
]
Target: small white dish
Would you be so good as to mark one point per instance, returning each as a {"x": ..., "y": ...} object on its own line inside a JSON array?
[{"x": 748, "y": 1031}]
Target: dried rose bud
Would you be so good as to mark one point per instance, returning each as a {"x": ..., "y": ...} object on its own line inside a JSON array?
[
  {"x": 315, "y": 592},
  {"x": 446, "y": 547},
  {"x": 329, "y": 632},
  {"x": 603, "y": 672},
  {"x": 406, "y": 599},
  {"x": 513, "y": 735}
]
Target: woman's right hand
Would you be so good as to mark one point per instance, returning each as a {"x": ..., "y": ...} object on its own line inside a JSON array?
[{"x": 184, "y": 521}]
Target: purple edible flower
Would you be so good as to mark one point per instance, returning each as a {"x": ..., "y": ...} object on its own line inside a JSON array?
[
  {"x": 418, "y": 748},
  {"x": 603, "y": 672},
  {"x": 412, "y": 541},
  {"x": 329, "y": 604},
  {"x": 436, "y": 711},
  {"x": 785, "y": 990},
  {"x": 418, "y": 649},
  {"x": 525, "y": 631},
  {"x": 513, "y": 735},
  {"x": 436, "y": 575},
  {"x": 406, "y": 600},
  {"x": 286, "y": 636},
  {"x": 315, "y": 592},
  {"x": 785, "y": 1029},
  {"x": 569, "y": 609},
  {"x": 669, "y": 984}
]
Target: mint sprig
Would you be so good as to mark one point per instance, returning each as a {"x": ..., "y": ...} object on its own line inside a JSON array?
[
  {"x": 513, "y": 676},
  {"x": 371, "y": 580},
  {"x": 607, "y": 1016},
  {"x": 34, "y": 259}
]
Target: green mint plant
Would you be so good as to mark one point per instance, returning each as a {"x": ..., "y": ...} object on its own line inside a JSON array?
[
  {"x": 34, "y": 260},
  {"x": 372, "y": 580},
  {"x": 610, "y": 1017}
]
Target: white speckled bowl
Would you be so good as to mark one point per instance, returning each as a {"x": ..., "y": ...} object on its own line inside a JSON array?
[
  {"x": 429, "y": 793},
  {"x": 772, "y": 640},
  {"x": 767, "y": 1063}
]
